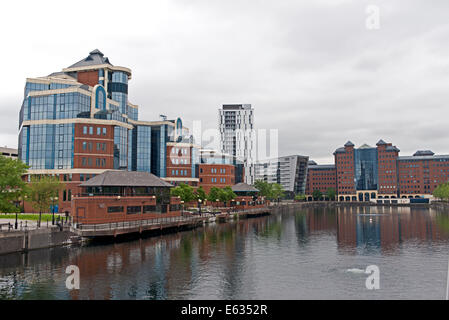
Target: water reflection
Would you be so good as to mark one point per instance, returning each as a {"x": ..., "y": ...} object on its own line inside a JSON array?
[{"x": 280, "y": 256}]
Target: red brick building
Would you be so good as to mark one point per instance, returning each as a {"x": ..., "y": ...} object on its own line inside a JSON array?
[
  {"x": 320, "y": 177},
  {"x": 421, "y": 173},
  {"x": 344, "y": 164},
  {"x": 216, "y": 175},
  {"x": 180, "y": 163},
  {"x": 387, "y": 156},
  {"x": 387, "y": 175},
  {"x": 116, "y": 196}
]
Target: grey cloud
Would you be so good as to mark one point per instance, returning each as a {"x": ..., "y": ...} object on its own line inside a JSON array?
[{"x": 310, "y": 69}]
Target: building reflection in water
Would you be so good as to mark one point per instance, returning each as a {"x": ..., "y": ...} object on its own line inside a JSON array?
[{"x": 215, "y": 262}]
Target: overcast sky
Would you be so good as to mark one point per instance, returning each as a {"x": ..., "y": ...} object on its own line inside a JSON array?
[{"x": 311, "y": 69}]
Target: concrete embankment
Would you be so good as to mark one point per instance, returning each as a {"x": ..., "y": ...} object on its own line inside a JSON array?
[{"x": 23, "y": 241}]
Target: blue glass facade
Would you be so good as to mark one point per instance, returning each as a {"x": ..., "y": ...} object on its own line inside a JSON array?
[
  {"x": 143, "y": 149},
  {"x": 120, "y": 148},
  {"x": 159, "y": 139},
  {"x": 365, "y": 166},
  {"x": 50, "y": 145},
  {"x": 118, "y": 89},
  {"x": 55, "y": 106},
  {"x": 47, "y": 146},
  {"x": 133, "y": 113}
]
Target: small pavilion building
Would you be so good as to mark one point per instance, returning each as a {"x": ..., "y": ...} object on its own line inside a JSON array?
[
  {"x": 247, "y": 196},
  {"x": 116, "y": 196}
]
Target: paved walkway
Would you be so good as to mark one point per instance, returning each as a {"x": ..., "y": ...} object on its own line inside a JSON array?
[{"x": 22, "y": 224}]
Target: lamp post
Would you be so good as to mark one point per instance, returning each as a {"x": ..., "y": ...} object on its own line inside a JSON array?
[
  {"x": 199, "y": 206},
  {"x": 182, "y": 208},
  {"x": 53, "y": 199},
  {"x": 17, "y": 213}
]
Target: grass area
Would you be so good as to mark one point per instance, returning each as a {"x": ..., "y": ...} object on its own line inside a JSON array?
[{"x": 27, "y": 216}]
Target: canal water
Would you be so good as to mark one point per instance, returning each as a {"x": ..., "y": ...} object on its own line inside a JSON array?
[{"x": 314, "y": 253}]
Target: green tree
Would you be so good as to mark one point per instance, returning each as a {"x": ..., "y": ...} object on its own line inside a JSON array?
[
  {"x": 331, "y": 193},
  {"x": 300, "y": 197},
  {"x": 184, "y": 191},
  {"x": 226, "y": 194},
  {"x": 201, "y": 194},
  {"x": 277, "y": 192},
  {"x": 316, "y": 194},
  {"x": 265, "y": 188},
  {"x": 42, "y": 189},
  {"x": 213, "y": 194},
  {"x": 442, "y": 191},
  {"x": 12, "y": 186}
]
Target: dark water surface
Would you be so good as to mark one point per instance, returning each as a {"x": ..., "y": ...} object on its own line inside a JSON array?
[{"x": 308, "y": 254}]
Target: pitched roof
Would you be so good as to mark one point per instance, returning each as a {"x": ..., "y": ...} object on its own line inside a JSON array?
[
  {"x": 365, "y": 146},
  {"x": 126, "y": 179},
  {"x": 380, "y": 142},
  {"x": 392, "y": 148},
  {"x": 243, "y": 187},
  {"x": 94, "y": 58},
  {"x": 423, "y": 153},
  {"x": 349, "y": 144},
  {"x": 340, "y": 150}
]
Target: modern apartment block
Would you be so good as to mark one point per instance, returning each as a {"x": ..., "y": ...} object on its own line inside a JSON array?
[
  {"x": 237, "y": 135},
  {"x": 9, "y": 152},
  {"x": 288, "y": 171},
  {"x": 77, "y": 123},
  {"x": 366, "y": 173}
]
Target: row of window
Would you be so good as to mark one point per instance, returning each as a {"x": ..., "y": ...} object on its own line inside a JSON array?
[
  {"x": 179, "y": 150},
  {"x": 179, "y": 172},
  {"x": 101, "y": 146},
  {"x": 99, "y": 162},
  {"x": 143, "y": 209},
  {"x": 215, "y": 180},
  {"x": 90, "y": 131},
  {"x": 180, "y": 161}
]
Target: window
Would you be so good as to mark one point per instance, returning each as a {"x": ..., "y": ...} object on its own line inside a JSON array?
[
  {"x": 115, "y": 209},
  {"x": 91, "y": 130},
  {"x": 104, "y": 131},
  {"x": 84, "y": 130},
  {"x": 147, "y": 209},
  {"x": 98, "y": 131},
  {"x": 84, "y": 145},
  {"x": 133, "y": 209}
]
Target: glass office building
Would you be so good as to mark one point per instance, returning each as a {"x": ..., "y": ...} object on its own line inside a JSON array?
[
  {"x": 77, "y": 123},
  {"x": 365, "y": 167}
]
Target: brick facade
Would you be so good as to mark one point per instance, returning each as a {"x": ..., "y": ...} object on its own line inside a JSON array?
[{"x": 216, "y": 175}]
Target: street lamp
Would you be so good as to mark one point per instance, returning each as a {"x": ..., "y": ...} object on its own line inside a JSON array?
[
  {"x": 182, "y": 208},
  {"x": 53, "y": 199},
  {"x": 20, "y": 200},
  {"x": 199, "y": 206}
]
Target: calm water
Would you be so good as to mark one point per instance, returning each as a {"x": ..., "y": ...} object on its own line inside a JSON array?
[{"x": 307, "y": 254}]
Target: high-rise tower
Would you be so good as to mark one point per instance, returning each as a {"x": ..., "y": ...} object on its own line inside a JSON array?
[{"x": 237, "y": 135}]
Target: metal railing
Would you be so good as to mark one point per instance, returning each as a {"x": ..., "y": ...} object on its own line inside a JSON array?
[{"x": 135, "y": 223}]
